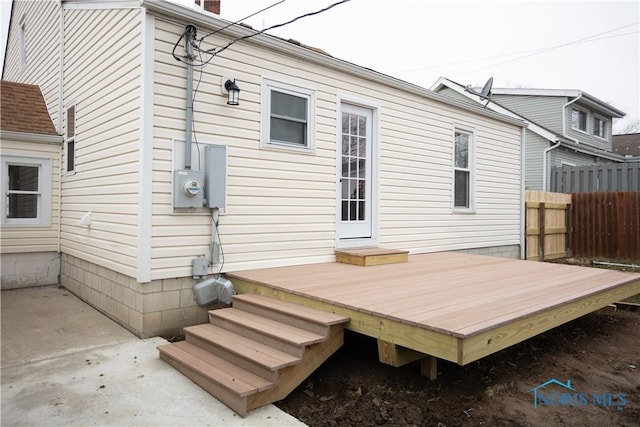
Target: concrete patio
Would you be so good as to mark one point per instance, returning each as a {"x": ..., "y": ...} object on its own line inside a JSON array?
[{"x": 64, "y": 363}]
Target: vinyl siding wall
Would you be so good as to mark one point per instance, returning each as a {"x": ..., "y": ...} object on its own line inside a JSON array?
[
  {"x": 24, "y": 239},
  {"x": 281, "y": 205},
  {"x": 42, "y": 41},
  {"x": 543, "y": 110},
  {"x": 102, "y": 74}
]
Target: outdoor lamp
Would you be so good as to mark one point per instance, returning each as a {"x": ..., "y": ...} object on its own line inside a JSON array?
[{"x": 233, "y": 92}]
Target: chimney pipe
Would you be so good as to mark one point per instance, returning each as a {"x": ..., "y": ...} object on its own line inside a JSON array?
[{"x": 212, "y": 6}]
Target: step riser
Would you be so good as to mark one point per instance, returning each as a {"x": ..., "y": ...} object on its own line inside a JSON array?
[
  {"x": 293, "y": 376},
  {"x": 234, "y": 358},
  {"x": 282, "y": 317},
  {"x": 256, "y": 335},
  {"x": 232, "y": 400}
]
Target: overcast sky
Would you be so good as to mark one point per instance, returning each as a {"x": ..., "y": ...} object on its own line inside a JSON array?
[{"x": 597, "y": 43}]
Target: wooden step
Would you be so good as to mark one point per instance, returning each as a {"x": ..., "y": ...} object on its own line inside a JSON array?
[
  {"x": 287, "y": 338},
  {"x": 229, "y": 383},
  {"x": 317, "y": 321},
  {"x": 371, "y": 256},
  {"x": 249, "y": 354}
]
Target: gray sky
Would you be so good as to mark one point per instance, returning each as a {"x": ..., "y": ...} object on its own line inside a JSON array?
[{"x": 597, "y": 43}]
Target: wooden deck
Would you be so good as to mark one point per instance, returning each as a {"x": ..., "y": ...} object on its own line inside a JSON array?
[{"x": 452, "y": 306}]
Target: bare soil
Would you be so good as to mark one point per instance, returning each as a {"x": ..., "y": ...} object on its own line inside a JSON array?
[{"x": 599, "y": 353}]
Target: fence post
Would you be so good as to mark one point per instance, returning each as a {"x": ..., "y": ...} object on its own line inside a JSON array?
[{"x": 541, "y": 221}]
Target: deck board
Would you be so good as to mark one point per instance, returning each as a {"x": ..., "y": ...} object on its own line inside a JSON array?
[{"x": 453, "y": 294}]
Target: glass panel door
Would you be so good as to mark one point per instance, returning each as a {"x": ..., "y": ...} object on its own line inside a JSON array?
[{"x": 355, "y": 173}]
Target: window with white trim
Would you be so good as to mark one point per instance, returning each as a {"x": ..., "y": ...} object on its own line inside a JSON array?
[
  {"x": 27, "y": 190},
  {"x": 463, "y": 170},
  {"x": 288, "y": 116},
  {"x": 579, "y": 119},
  {"x": 599, "y": 127},
  {"x": 70, "y": 139}
]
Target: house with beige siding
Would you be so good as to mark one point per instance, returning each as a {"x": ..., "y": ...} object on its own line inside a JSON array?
[
  {"x": 565, "y": 127},
  {"x": 163, "y": 186}
]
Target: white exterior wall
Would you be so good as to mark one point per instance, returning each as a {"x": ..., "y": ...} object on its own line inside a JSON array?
[
  {"x": 42, "y": 42},
  {"x": 281, "y": 206},
  {"x": 102, "y": 77},
  {"x": 41, "y": 238}
]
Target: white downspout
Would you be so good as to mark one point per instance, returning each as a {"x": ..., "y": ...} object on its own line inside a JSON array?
[
  {"x": 544, "y": 165},
  {"x": 523, "y": 224},
  {"x": 60, "y": 113},
  {"x": 545, "y": 174}
]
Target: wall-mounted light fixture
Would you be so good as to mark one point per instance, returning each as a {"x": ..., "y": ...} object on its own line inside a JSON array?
[{"x": 230, "y": 88}]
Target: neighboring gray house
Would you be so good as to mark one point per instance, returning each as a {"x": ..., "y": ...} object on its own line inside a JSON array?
[{"x": 566, "y": 126}]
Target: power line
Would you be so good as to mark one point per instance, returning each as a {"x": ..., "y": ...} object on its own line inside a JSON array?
[
  {"x": 240, "y": 20},
  {"x": 215, "y": 52},
  {"x": 529, "y": 52}
]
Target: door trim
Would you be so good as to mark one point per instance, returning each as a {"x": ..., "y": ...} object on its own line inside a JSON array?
[{"x": 375, "y": 108}]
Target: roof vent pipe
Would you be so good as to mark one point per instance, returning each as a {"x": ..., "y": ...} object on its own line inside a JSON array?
[{"x": 190, "y": 32}]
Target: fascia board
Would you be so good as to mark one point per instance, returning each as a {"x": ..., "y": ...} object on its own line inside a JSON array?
[{"x": 38, "y": 138}]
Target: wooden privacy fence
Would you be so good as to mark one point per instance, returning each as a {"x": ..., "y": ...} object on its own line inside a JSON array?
[
  {"x": 606, "y": 225},
  {"x": 547, "y": 216},
  {"x": 598, "y": 177}
]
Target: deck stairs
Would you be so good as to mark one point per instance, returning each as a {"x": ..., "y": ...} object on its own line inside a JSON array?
[{"x": 257, "y": 351}]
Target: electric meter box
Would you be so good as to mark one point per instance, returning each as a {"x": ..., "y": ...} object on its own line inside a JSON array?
[{"x": 188, "y": 189}]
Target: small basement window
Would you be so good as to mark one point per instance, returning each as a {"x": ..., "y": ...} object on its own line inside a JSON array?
[{"x": 288, "y": 116}]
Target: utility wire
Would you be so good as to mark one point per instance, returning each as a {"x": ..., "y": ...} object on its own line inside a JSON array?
[
  {"x": 214, "y": 52},
  {"x": 240, "y": 20},
  {"x": 530, "y": 51}
]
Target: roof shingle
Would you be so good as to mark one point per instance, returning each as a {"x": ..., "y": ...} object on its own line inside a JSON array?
[{"x": 23, "y": 109}]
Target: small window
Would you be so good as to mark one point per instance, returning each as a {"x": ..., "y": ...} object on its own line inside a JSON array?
[
  {"x": 579, "y": 119},
  {"x": 599, "y": 127},
  {"x": 27, "y": 192},
  {"x": 70, "y": 139},
  {"x": 462, "y": 170},
  {"x": 288, "y": 116}
]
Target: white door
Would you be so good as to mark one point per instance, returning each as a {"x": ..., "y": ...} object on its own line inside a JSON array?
[{"x": 355, "y": 189}]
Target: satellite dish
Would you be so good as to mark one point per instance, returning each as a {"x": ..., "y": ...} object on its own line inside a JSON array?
[{"x": 486, "y": 90}]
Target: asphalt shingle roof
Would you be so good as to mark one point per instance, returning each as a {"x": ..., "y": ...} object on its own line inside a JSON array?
[{"x": 23, "y": 109}]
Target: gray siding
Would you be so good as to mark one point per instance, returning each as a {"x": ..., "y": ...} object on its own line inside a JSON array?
[
  {"x": 588, "y": 137},
  {"x": 543, "y": 110},
  {"x": 534, "y": 149}
]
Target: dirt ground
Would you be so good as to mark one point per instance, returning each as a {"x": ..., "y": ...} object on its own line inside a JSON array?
[{"x": 599, "y": 353}]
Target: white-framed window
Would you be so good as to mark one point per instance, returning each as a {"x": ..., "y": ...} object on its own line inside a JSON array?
[
  {"x": 70, "y": 139},
  {"x": 599, "y": 127},
  {"x": 463, "y": 161},
  {"x": 26, "y": 190},
  {"x": 23, "y": 42},
  {"x": 288, "y": 116},
  {"x": 579, "y": 119}
]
